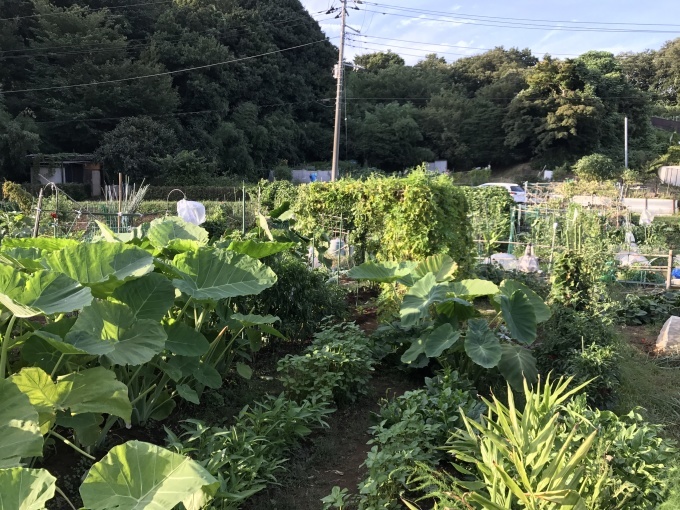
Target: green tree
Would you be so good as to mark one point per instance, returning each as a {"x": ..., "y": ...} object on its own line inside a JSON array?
[
  {"x": 379, "y": 60},
  {"x": 596, "y": 167},
  {"x": 18, "y": 137},
  {"x": 135, "y": 147}
]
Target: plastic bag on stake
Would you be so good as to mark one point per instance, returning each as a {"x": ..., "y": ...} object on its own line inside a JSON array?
[{"x": 191, "y": 212}]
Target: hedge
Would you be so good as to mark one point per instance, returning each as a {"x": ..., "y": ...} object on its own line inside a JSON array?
[
  {"x": 392, "y": 218},
  {"x": 490, "y": 212}
]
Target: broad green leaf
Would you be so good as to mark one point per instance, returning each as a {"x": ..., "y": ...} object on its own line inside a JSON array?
[
  {"x": 516, "y": 364},
  {"x": 412, "y": 353},
  {"x": 255, "y": 320},
  {"x": 19, "y": 430},
  {"x": 47, "y": 244},
  {"x": 381, "y": 272},
  {"x": 257, "y": 249},
  {"x": 165, "y": 230},
  {"x": 25, "y": 489},
  {"x": 519, "y": 316},
  {"x": 138, "y": 475},
  {"x": 244, "y": 370},
  {"x": 110, "y": 330},
  {"x": 86, "y": 427},
  {"x": 150, "y": 297},
  {"x": 208, "y": 376},
  {"x": 23, "y": 258},
  {"x": 440, "y": 339},
  {"x": 419, "y": 298},
  {"x": 185, "y": 341},
  {"x": 101, "y": 266},
  {"x": 183, "y": 245},
  {"x": 457, "y": 309},
  {"x": 94, "y": 390},
  {"x": 212, "y": 275},
  {"x": 481, "y": 344},
  {"x": 442, "y": 266},
  {"x": 470, "y": 289},
  {"x": 542, "y": 311},
  {"x": 45, "y": 346},
  {"x": 43, "y": 292},
  {"x": 188, "y": 393}
]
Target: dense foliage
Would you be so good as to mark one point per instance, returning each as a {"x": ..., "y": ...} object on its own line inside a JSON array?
[
  {"x": 392, "y": 218},
  {"x": 238, "y": 115}
]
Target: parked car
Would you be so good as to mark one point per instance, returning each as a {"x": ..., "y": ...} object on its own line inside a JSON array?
[{"x": 516, "y": 192}]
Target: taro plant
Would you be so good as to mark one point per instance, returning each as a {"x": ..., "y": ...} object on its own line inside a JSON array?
[{"x": 444, "y": 321}]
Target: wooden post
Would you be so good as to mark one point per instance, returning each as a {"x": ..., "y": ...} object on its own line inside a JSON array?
[
  {"x": 37, "y": 214},
  {"x": 120, "y": 197},
  {"x": 670, "y": 269}
]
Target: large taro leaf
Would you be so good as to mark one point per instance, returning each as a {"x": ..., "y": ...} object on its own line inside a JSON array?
[
  {"x": 44, "y": 244},
  {"x": 442, "y": 266},
  {"x": 43, "y": 292},
  {"x": 101, "y": 266},
  {"x": 165, "y": 230},
  {"x": 185, "y": 341},
  {"x": 45, "y": 346},
  {"x": 94, "y": 390},
  {"x": 257, "y": 249},
  {"x": 470, "y": 289},
  {"x": 481, "y": 344},
  {"x": 212, "y": 275},
  {"x": 23, "y": 258},
  {"x": 25, "y": 489},
  {"x": 517, "y": 363},
  {"x": 440, "y": 339},
  {"x": 150, "y": 297},
  {"x": 431, "y": 343},
  {"x": 86, "y": 427},
  {"x": 111, "y": 330},
  {"x": 138, "y": 475},
  {"x": 381, "y": 272},
  {"x": 519, "y": 316},
  {"x": 541, "y": 310},
  {"x": 19, "y": 430},
  {"x": 419, "y": 298}
]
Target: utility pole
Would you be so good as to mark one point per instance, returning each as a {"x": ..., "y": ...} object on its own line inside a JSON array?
[
  {"x": 625, "y": 143},
  {"x": 339, "y": 74}
]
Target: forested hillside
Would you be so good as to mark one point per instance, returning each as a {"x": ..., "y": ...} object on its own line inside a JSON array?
[{"x": 190, "y": 89}]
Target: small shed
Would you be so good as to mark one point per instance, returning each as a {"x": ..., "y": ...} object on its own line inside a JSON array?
[{"x": 68, "y": 168}]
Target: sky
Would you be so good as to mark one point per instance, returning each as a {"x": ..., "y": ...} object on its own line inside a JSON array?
[{"x": 459, "y": 28}]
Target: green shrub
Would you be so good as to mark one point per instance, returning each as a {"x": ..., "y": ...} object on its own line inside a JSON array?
[
  {"x": 412, "y": 429},
  {"x": 571, "y": 283},
  {"x": 596, "y": 362},
  {"x": 245, "y": 457},
  {"x": 473, "y": 177},
  {"x": 510, "y": 458},
  {"x": 490, "y": 210},
  {"x": 16, "y": 194},
  {"x": 274, "y": 194},
  {"x": 406, "y": 218},
  {"x": 335, "y": 367},
  {"x": 302, "y": 297},
  {"x": 596, "y": 167},
  {"x": 639, "y": 309}
]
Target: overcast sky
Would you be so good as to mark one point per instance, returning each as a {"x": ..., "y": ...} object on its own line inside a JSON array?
[{"x": 471, "y": 26}]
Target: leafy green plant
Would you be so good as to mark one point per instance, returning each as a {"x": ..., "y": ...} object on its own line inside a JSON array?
[
  {"x": 412, "y": 427},
  {"x": 599, "y": 364},
  {"x": 513, "y": 457},
  {"x": 639, "y": 309},
  {"x": 570, "y": 281},
  {"x": 335, "y": 367},
  {"x": 435, "y": 308},
  {"x": 245, "y": 457},
  {"x": 336, "y": 499},
  {"x": 596, "y": 167}
]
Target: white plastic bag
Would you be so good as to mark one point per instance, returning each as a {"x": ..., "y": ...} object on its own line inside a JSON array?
[
  {"x": 646, "y": 218},
  {"x": 191, "y": 212},
  {"x": 528, "y": 263}
]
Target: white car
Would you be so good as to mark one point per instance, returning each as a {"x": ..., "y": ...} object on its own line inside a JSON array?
[{"x": 516, "y": 192}]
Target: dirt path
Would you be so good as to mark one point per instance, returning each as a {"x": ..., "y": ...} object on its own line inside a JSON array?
[{"x": 334, "y": 457}]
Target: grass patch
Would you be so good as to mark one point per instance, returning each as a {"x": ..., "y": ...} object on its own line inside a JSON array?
[{"x": 649, "y": 382}]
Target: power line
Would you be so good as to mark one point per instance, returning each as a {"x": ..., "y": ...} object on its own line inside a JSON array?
[
  {"x": 411, "y": 48},
  {"x": 466, "y": 21},
  {"x": 155, "y": 75},
  {"x": 520, "y": 19},
  {"x": 91, "y": 10}
]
